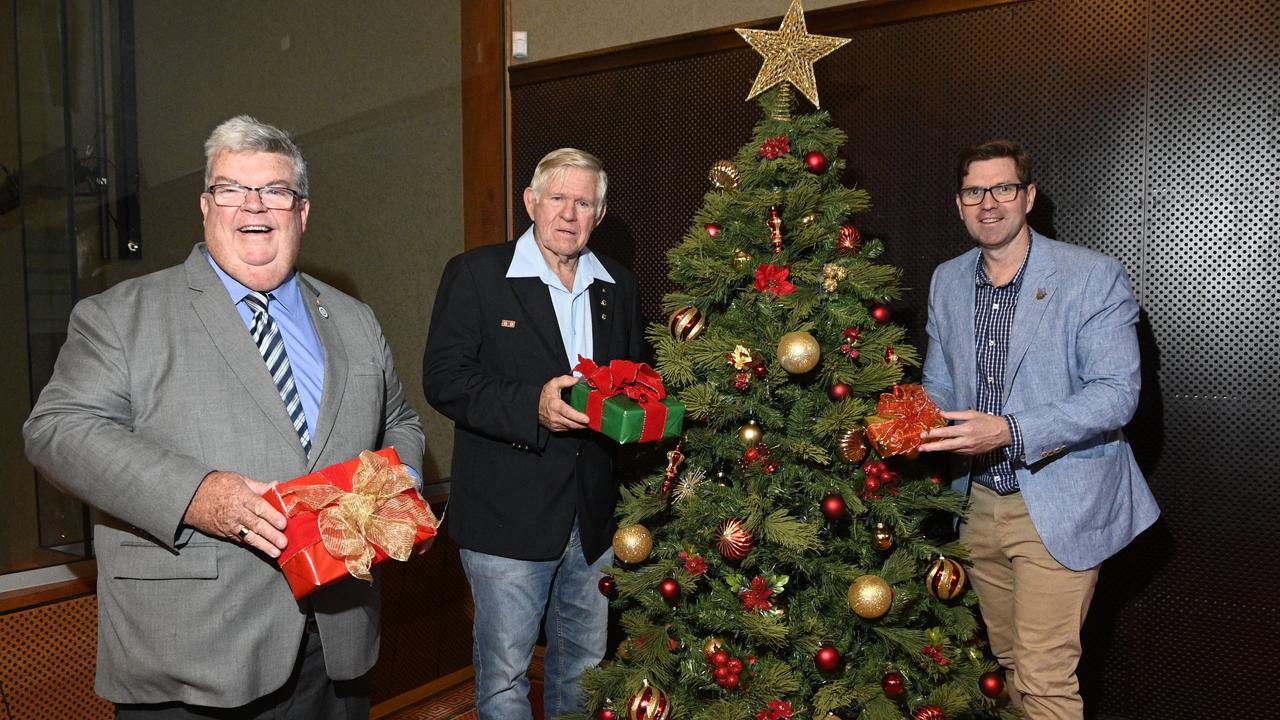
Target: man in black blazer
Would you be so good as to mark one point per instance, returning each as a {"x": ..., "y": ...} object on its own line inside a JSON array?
[{"x": 533, "y": 488}]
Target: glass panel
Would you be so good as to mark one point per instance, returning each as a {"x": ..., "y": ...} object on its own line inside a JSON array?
[{"x": 59, "y": 129}]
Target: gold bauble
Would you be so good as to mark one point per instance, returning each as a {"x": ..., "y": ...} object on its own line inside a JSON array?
[
  {"x": 870, "y": 596},
  {"x": 686, "y": 323},
  {"x": 808, "y": 219},
  {"x": 740, "y": 258},
  {"x": 945, "y": 579},
  {"x": 633, "y": 543},
  {"x": 750, "y": 433},
  {"x": 882, "y": 536},
  {"x": 724, "y": 174},
  {"x": 712, "y": 644},
  {"x": 853, "y": 446},
  {"x": 798, "y": 352}
]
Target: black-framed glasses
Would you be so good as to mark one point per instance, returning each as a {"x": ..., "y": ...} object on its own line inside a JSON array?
[
  {"x": 1004, "y": 192},
  {"x": 274, "y": 197}
]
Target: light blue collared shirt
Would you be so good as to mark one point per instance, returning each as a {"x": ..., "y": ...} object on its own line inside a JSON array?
[
  {"x": 572, "y": 305},
  {"x": 301, "y": 342}
]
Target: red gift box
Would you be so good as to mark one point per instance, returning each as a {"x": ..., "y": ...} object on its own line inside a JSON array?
[
  {"x": 900, "y": 418},
  {"x": 348, "y": 517}
]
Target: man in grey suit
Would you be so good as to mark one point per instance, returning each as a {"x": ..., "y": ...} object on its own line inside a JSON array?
[
  {"x": 173, "y": 406},
  {"x": 1033, "y": 355}
]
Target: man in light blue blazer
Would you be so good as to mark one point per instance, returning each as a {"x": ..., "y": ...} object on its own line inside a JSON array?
[{"x": 1033, "y": 357}]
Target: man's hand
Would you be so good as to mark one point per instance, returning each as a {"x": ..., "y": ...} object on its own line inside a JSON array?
[
  {"x": 226, "y": 502},
  {"x": 554, "y": 413},
  {"x": 973, "y": 433}
]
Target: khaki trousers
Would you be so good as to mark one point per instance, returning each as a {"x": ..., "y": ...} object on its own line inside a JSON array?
[{"x": 1032, "y": 605}]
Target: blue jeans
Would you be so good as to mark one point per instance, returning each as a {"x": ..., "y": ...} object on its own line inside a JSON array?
[{"x": 510, "y": 599}]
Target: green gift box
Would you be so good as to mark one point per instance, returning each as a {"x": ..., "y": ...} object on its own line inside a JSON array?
[{"x": 625, "y": 420}]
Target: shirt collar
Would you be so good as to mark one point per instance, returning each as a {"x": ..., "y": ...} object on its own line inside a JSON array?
[
  {"x": 288, "y": 296},
  {"x": 527, "y": 261},
  {"x": 981, "y": 278}
]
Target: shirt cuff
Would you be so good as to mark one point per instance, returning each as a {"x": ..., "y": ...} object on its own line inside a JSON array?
[
  {"x": 1016, "y": 449},
  {"x": 417, "y": 479}
]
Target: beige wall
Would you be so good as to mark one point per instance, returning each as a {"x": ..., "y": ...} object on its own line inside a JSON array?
[
  {"x": 566, "y": 27},
  {"x": 372, "y": 92}
]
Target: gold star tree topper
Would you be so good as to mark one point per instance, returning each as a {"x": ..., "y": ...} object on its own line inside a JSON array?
[{"x": 789, "y": 53}]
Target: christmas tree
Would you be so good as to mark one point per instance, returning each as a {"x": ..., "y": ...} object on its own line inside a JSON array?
[{"x": 793, "y": 559}]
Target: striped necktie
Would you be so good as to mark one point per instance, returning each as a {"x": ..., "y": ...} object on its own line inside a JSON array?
[{"x": 266, "y": 335}]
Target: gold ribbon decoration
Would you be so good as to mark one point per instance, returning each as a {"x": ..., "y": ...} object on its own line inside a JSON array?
[{"x": 375, "y": 513}]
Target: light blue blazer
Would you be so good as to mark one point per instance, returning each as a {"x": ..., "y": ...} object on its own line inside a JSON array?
[{"x": 1072, "y": 380}]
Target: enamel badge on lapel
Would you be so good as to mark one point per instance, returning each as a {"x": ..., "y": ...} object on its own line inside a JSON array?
[
  {"x": 320, "y": 309},
  {"x": 1040, "y": 293}
]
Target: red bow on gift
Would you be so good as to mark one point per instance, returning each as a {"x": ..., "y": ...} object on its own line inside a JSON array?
[
  {"x": 900, "y": 418},
  {"x": 637, "y": 381}
]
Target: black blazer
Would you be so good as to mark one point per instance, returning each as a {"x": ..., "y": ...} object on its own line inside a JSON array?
[{"x": 493, "y": 343}]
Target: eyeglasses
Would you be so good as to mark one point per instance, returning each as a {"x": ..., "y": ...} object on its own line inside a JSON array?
[
  {"x": 1003, "y": 192},
  {"x": 274, "y": 197}
]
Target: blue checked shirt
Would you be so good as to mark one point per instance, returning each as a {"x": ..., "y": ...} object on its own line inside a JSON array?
[{"x": 992, "y": 322}]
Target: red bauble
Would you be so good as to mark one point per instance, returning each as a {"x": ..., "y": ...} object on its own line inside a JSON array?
[
  {"x": 608, "y": 587},
  {"x": 894, "y": 685},
  {"x": 606, "y": 714},
  {"x": 713, "y": 229},
  {"x": 816, "y": 162},
  {"x": 834, "y": 507},
  {"x": 880, "y": 313},
  {"x": 991, "y": 684},
  {"x": 719, "y": 658},
  {"x": 928, "y": 712},
  {"x": 827, "y": 658},
  {"x": 871, "y": 484},
  {"x": 669, "y": 589},
  {"x": 751, "y": 454},
  {"x": 733, "y": 539},
  {"x": 847, "y": 240},
  {"x": 839, "y": 392},
  {"x": 760, "y": 370},
  {"x": 735, "y": 666}
]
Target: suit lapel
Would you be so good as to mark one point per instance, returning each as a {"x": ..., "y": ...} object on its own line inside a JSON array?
[
  {"x": 535, "y": 301},
  {"x": 335, "y": 368},
  {"x": 220, "y": 319},
  {"x": 967, "y": 371},
  {"x": 1033, "y": 298},
  {"x": 603, "y": 310}
]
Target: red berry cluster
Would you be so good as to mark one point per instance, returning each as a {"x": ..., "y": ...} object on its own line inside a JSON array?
[
  {"x": 852, "y": 337},
  {"x": 754, "y": 453},
  {"x": 726, "y": 670},
  {"x": 879, "y": 478},
  {"x": 935, "y": 652}
]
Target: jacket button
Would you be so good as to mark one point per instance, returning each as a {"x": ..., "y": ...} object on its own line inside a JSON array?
[
  {"x": 603, "y": 302},
  {"x": 604, "y": 316}
]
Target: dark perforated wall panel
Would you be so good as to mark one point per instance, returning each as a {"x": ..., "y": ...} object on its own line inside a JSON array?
[{"x": 1156, "y": 125}]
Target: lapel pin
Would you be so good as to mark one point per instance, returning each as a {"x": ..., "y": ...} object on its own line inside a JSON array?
[
  {"x": 508, "y": 323},
  {"x": 1040, "y": 293},
  {"x": 323, "y": 313}
]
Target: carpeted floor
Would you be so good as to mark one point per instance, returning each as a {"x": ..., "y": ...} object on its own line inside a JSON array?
[{"x": 458, "y": 702}]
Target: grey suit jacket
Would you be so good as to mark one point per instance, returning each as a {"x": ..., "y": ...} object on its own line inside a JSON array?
[
  {"x": 159, "y": 384},
  {"x": 1072, "y": 380}
]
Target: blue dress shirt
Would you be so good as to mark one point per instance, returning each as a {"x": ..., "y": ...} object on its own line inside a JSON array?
[
  {"x": 994, "y": 308},
  {"x": 301, "y": 342},
  {"x": 572, "y": 305}
]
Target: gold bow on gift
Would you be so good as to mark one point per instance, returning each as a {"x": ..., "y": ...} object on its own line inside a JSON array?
[{"x": 375, "y": 512}]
